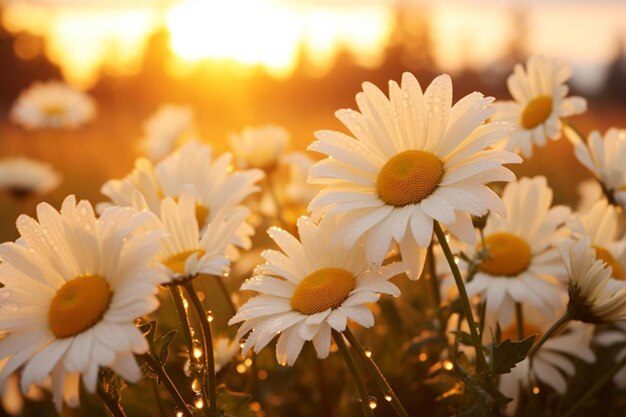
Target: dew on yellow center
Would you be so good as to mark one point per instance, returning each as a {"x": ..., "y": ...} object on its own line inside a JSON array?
[
  {"x": 177, "y": 262},
  {"x": 512, "y": 332},
  {"x": 323, "y": 289},
  {"x": 509, "y": 255},
  {"x": 409, "y": 177},
  {"x": 78, "y": 305},
  {"x": 54, "y": 110},
  {"x": 609, "y": 260},
  {"x": 536, "y": 112}
]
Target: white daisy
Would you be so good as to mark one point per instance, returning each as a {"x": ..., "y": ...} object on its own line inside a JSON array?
[
  {"x": 601, "y": 225},
  {"x": 552, "y": 363},
  {"x": 259, "y": 147},
  {"x": 416, "y": 159},
  {"x": 166, "y": 129},
  {"x": 20, "y": 177},
  {"x": 52, "y": 104},
  {"x": 184, "y": 251},
  {"x": 539, "y": 93},
  {"x": 592, "y": 298},
  {"x": 297, "y": 191},
  {"x": 307, "y": 290},
  {"x": 605, "y": 157},
  {"x": 73, "y": 286},
  {"x": 589, "y": 193},
  {"x": 524, "y": 266},
  {"x": 215, "y": 186}
]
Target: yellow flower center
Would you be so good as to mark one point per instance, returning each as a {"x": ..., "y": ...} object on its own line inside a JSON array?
[
  {"x": 510, "y": 255},
  {"x": 78, "y": 305},
  {"x": 409, "y": 177},
  {"x": 609, "y": 260},
  {"x": 177, "y": 262},
  {"x": 512, "y": 332},
  {"x": 323, "y": 289},
  {"x": 536, "y": 112},
  {"x": 53, "y": 110}
]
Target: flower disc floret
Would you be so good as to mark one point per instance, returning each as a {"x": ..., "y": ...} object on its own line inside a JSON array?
[{"x": 323, "y": 289}]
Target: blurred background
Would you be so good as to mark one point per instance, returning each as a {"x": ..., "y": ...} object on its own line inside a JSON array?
[{"x": 292, "y": 63}]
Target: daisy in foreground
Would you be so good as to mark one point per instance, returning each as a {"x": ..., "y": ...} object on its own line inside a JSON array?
[
  {"x": 73, "y": 286},
  {"x": 523, "y": 265},
  {"x": 552, "y": 363},
  {"x": 52, "y": 104},
  {"x": 604, "y": 157},
  {"x": 540, "y": 102},
  {"x": 416, "y": 159},
  {"x": 22, "y": 177},
  {"x": 309, "y": 289}
]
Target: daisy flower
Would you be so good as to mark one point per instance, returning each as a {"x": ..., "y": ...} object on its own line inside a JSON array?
[
  {"x": 259, "y": 147},
  {"x": 523, "y": 265},
  {"x": 297, "y": 191},
  {"x": 184, "y": 252},
  {"x": 592, "y": 298},
  {"x": 589, "y": 192},
  {"x": 309, "y": 288},
  {"x": 601, "y": 225},
  {"x": 21, "y": 177},
  {"x": 214, "y": 185},
  {"x": 73, "y": 286},
  {"x": 552, "y": 363},
  {"x": 52, "y": 104},
  {"x": 415, "y": 159},
  {"x": 166, "y": 129},
  {"x": 539, "y": 103},
  {"x": 605, "y": 157}
]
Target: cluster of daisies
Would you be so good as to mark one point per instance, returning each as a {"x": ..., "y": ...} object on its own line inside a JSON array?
[{"x": 409, "y": 186}]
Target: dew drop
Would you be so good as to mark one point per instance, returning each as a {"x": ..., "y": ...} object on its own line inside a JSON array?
[
  {"x": 198, "y": 401},
  {"x": 372, "y": 402},
  {"x": 196, "y": 386},
  {"x": 388, "y": 397}
]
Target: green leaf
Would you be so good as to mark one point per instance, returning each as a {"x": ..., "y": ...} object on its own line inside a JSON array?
[
  {"x": 234, "y": 404},
  {"x": 508, "y": 353},
  {"x": 464, "y": 337},
  {"x": 159, "y": 345}
]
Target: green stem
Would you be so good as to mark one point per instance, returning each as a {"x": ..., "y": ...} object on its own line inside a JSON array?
[
  {"x": 378, "y": 376},
  {"x": 157, "y": 397},
  {"x": 520, "y": 321},
  {"x": 164, "y": 378},
  {"x": 112, "y": 405},
  {"x": 555, "y": 327},
  {"x": 596, "y": 387},
  {"x": 467, "y": 309},
  {"x": 356, "y": 375},
  {"x": 226, "y": 293},
  {"x": 207, "y": 345}
]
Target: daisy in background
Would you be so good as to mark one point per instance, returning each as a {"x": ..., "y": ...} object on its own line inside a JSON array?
[
  {"x": 225, "y": 350},
  {"x": 415, "y": 159},
  {"x": 601, "y": 225},
  {"x": 553, "y": 362},
  {"x": 523, "y": 264},
  {"x": 166, "y": 129},
  {"x": 589, "y": 193},
  {"x": 52, "y": 104},
  {"x": 73, "y": 286},
  {"x": 309, "y": 288},
  {"x": 22, "y": 177},
  {"x": 215, "y": 186},
  {"x": 259, "y": 147},
  {"x": 539, "y": 103},
  {"x": 604, "y": 157},
  {"x": 185, "y": 252}
]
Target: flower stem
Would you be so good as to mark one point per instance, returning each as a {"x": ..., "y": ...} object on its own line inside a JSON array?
[
  {"x": 467, "y": 309},
  {"x": 183, "y": 315},
  {"x": 226, "y": 293},
  {"x": 112, "y": 405},
  {"x": 378, "y": 376},
  {"x": 520, "y": 320},
  {"x": 356, "y": 375},
  {"x": 157, "y": 398},
  {"x": 207, "y": 345},
  {"x": 604, "y": 379},
  {"x": 555, "y": 327},
  {"x": 164, "y": 378}
]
